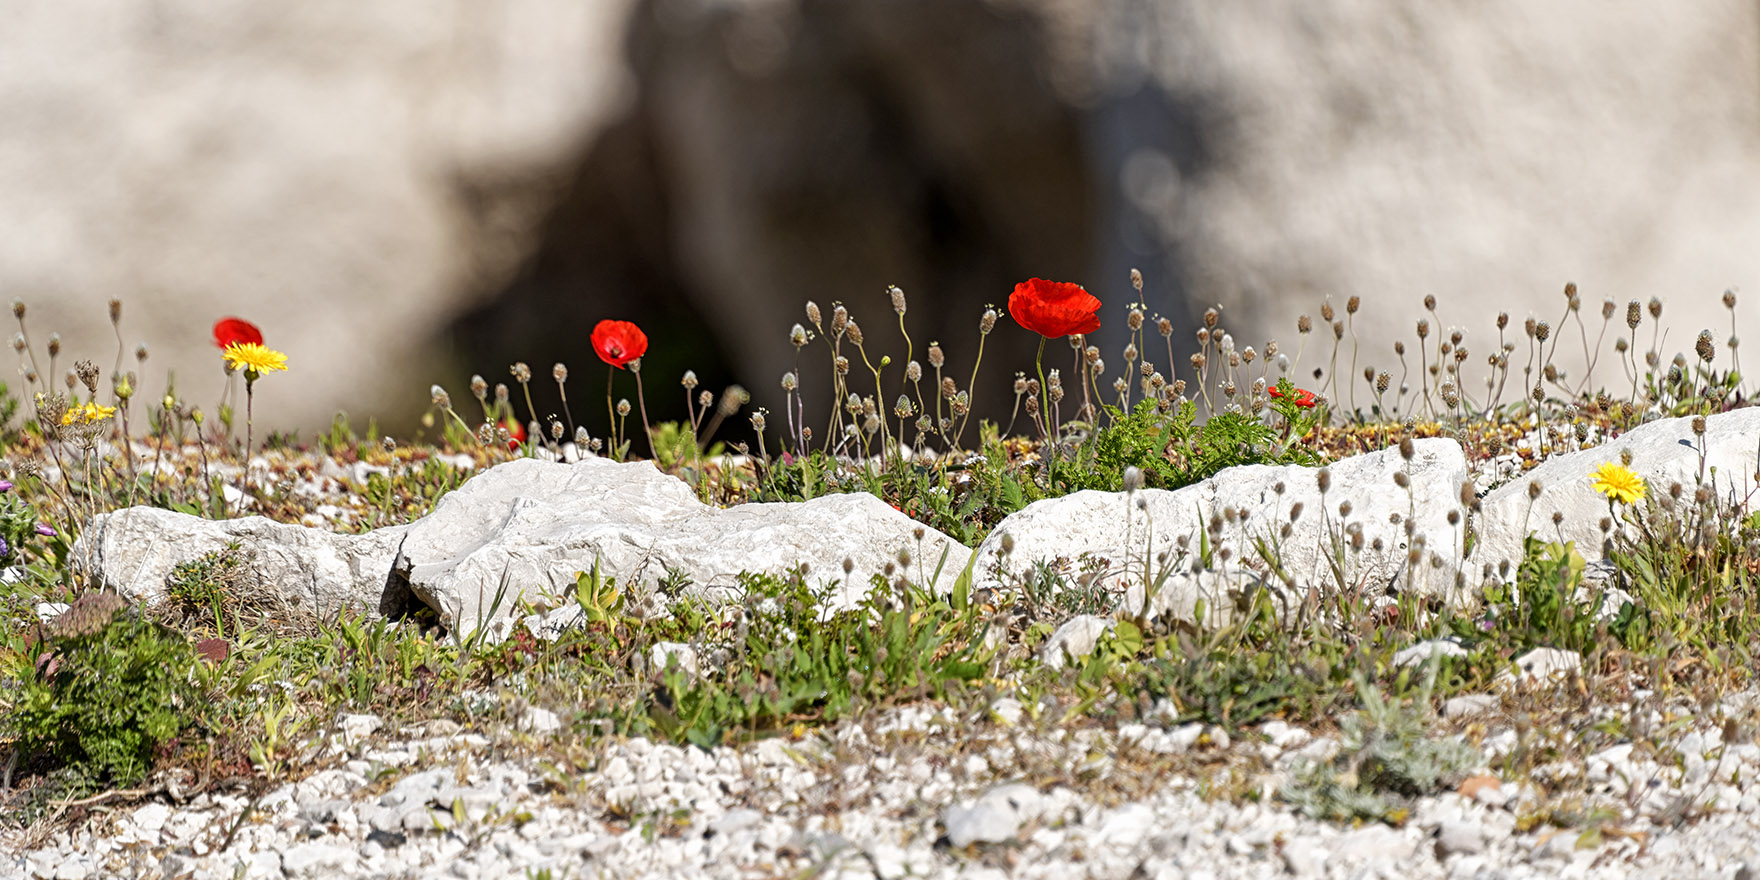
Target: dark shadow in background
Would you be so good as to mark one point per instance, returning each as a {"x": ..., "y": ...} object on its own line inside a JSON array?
[{"x": 772, "y": 158}]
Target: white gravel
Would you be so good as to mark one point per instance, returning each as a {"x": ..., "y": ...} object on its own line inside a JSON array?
[{"x": 918, "y": 793}]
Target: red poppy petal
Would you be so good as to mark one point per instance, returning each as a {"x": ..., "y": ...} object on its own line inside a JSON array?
[
  {"x": 619, "y": 342},
  {"x": 236, "y": 331},
  {"x": 1054, "y": 308}
]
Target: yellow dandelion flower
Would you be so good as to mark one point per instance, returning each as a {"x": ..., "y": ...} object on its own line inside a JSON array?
[
  {"x": 87, "y": 414},
  {"x": 1617, "y": 482},
  {"x": 254, "y": 357}
]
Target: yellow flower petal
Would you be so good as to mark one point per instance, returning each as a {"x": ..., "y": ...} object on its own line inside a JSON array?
[
  {"x": 254, "y": 357},
  {"x": 1617, "y": 482}
]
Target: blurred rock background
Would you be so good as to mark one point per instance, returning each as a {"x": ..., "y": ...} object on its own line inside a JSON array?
[{"x": 403, "y": 193}]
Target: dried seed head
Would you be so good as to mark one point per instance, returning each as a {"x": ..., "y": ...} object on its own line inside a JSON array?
[
  {"x": 731, "y": 400},
  {"x": 479, "y": 388},
  {"x": 853, "y": 331},
  {"x": 1423, "y": 329},
  {"x": 1533, "y": 490},
  {"x": 1304, "y": 324},
  {"x": 1326, "y": 311},
  {"x": 1402, "y": 479},
  {"x": 1164, "y": 327},
  {"x": 1729, "y": 299},
  {"x": 841, "y": 364},
  {"x": 789, "y": 383},
  {"x": 797, "y": 336},
  {"x": 1324, "y": 480},
  {"x": 1020, "y": 383},
  {"x": 813, "y": 315},
  {"x": 1429, "y": 303},
  {"x": 1295, "y": 511},
  {"x": 913, "y": 372},
  {"x": 559, "y": 373},
  {"x": 897, "y": 295},
  {"x": 1502, "y": 320},
  {"x": 1382, "y": 380},
  {"x": 1699, "y": 425},
  {"x": 839, "y": 319},
  {"x": 556, "y": 430},
  {"x": 1608, "y": 307},
  {"x": 1704, "y": 346},
  {"x": 704, "y": 398},
  {"x": 1634, "y": 314},
  {"x": 987, "y": 323},
  {"x": 936, "y": 358},
  {"x": 623, "y": 406},
  {"x": 1351, "y": 305},
  {"x": 1211, "y": 316},
  {"x": 18, "y": 343},
  {"x": 1407, "y": 448},
  {"x": 88, "y": 375},
  {"x": 1248, "y": 354},
  {"x": 439, "y": 397},
  {"x": 88, "y": 615},
  {"x": 500, "y": 393},
  {"x": 581, "y": 437},
  {"x": 1198, "y": 361},
  {"x": 1135, "y": 319},
  {"x": 1344, "y": 508},
  {"x": 1542, "y": 330},
  {"x": 758, "y": 421},
  {"x": 54, "y": 344},
  {"x": 18, "y": 309},
  {"x": 1468, "y": 496},
  {"x": 521, "y": 373},
  {"x": 1137, "y": 280},
  {"x": 1655, "y": 309},
  {"x": 1399, "y": 348},
  {"x": 1133, "y": 478},
  {"x": 948, "y": 389},
  {"x": 1091, "y": 354},
  {"x": 1130, "y": 352},
  {"x": 689, "y": 381},
  {"x": 1337, "y": 329}
]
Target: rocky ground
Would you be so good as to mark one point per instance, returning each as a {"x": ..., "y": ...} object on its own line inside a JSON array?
[{"x": 919, "y": 792}]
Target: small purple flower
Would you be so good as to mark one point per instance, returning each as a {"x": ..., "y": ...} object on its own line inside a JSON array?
[
  {"x": 44, "y": 530},
  {"x": 5, "y": 485},
  {"x": 5, "y": 549}
]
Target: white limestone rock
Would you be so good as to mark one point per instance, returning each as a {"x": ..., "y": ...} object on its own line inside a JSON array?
[
  {"x": 534, "y": 525},
  {"x": 1663, "y": 452},
  {"x": 133, "y": 550},
  {"x": 1103, "y": 533}
]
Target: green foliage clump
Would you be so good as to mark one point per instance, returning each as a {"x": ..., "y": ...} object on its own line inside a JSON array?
[
  {"x": 1542, "y": 607},
  {"x": 111, "y": 688},
  {"x": 1175, "y": 450},
  {"x": 789, "y": 663},
  {"x": 1386, "y": 759}
]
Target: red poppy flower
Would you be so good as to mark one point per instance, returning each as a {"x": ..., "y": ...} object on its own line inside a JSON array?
[
  {"x": 1054, "y": 308},
  {"x": 236, "y": 331},
  {"x": 619, "y": 342},
  {"x": 1304, "y": 397}
]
